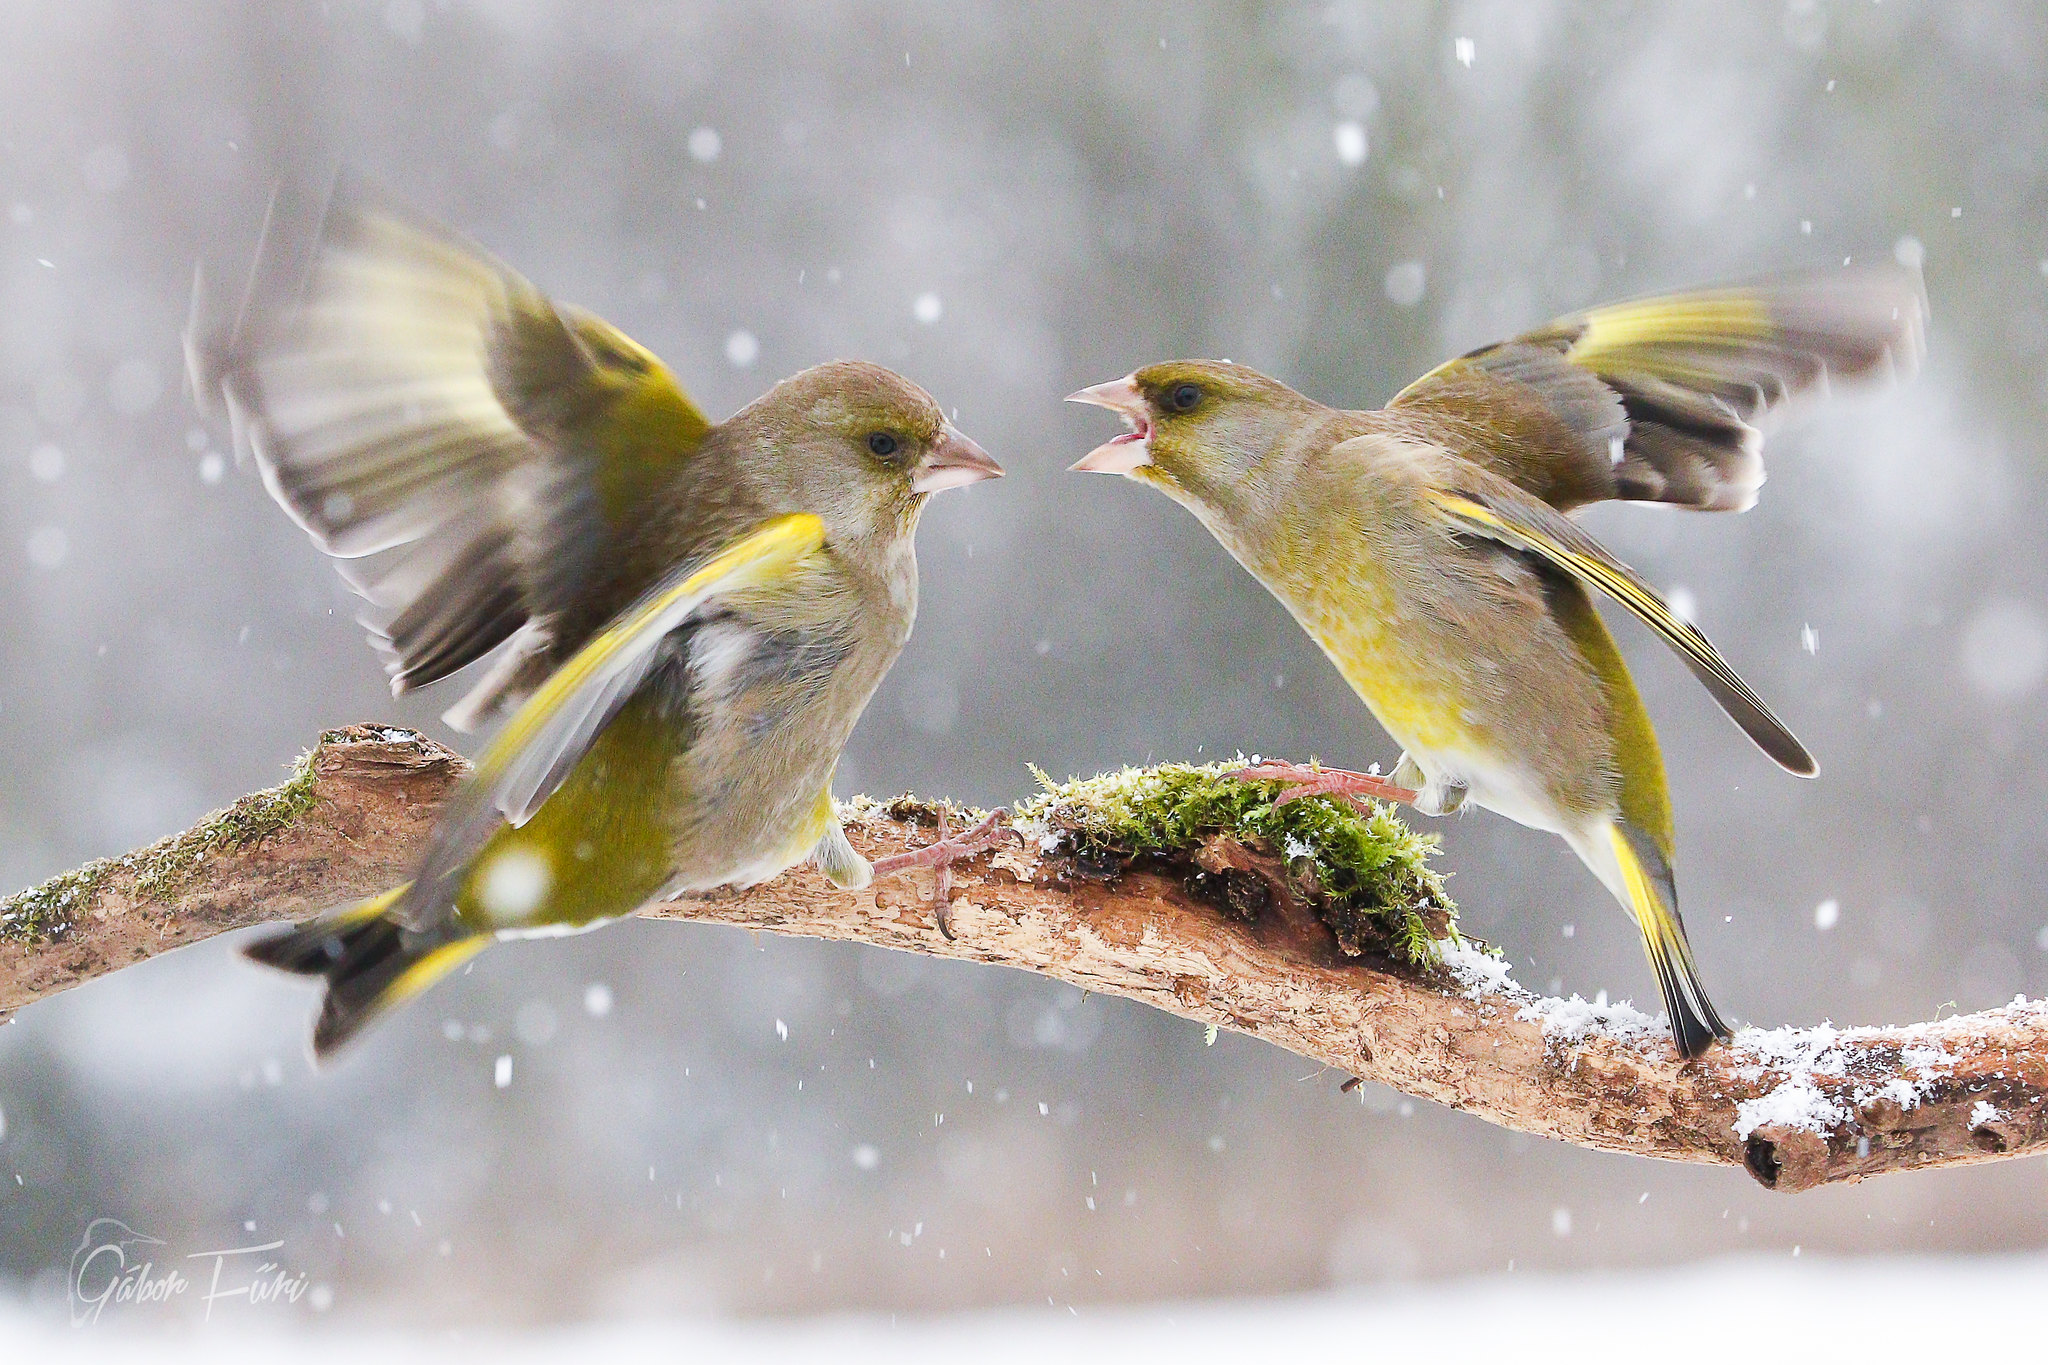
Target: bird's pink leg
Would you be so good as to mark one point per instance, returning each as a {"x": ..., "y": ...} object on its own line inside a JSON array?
[
  {"x": 943, "y": 854},
  {"x": 1313, "y": 780}
]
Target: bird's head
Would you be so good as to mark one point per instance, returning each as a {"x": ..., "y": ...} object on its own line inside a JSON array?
[
  {"x": 859, "y": 445},
  {"x": 1197, "y": 428}
]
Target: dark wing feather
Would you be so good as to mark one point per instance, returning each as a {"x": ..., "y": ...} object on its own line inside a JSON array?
[
  {"x": 1484, "y": 505},
  {"x": 1662, "y": 399}
]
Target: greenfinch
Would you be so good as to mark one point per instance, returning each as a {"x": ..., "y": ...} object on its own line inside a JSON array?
[
  {"x": 686, "y": 617},
  {"x": 1427, "y": 547}
]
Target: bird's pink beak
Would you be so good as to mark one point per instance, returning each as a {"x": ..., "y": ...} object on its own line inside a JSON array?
[
  {"x": 1119, "y": 454},
  {"x": 952, "y": 462}
]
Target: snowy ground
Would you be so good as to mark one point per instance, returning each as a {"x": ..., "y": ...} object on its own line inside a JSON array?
[{"x": 1776, "y": 1309}]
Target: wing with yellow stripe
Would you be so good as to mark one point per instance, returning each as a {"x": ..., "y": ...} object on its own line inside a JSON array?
[
  {"x": 550, "y": 733},
  {"x": 1494, "y": 509},
  {"x": 1663, "y": 399}
]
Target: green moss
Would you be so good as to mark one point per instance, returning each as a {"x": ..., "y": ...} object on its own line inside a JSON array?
[
  {"x": 1366, "y": 873},
  {"x": 46, "y": 912},
  {"x": 163, "y": 869}
]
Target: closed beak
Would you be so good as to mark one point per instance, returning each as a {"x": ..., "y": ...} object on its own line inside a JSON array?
[
  {"x": 952, "y": 462},
  {"x": 1119, "y": 454}
]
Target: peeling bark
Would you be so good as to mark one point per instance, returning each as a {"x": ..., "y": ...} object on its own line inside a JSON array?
[{"x": 1797, "y": 1108}]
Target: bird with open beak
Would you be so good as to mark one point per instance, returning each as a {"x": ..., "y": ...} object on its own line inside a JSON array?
[
  {"x": 684, "y": 618},
  {"x": 1428, "y": 549}
]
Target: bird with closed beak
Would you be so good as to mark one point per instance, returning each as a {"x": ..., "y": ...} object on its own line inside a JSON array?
[
  {"x": 683, "y": 618},
  {"x": 1428, "y": 547}
]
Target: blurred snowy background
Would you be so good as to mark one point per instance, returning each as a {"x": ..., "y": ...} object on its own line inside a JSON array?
[{"x": 1007, "y": 202}]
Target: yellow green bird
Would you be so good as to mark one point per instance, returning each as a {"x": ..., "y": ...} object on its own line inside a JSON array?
[
  {"x": 1427, "y": 547},
  {"x": 685, "y": 618}
]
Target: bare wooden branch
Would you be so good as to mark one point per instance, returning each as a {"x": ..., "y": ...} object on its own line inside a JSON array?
[{"x": 1797, "y": 1108}]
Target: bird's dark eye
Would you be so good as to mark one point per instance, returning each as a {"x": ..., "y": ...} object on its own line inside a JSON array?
[
  {"x": 1184, "y": 397},
  {"x": 881, "y": 444}
]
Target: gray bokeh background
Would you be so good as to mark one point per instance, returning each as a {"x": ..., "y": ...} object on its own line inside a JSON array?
[{"x": 1006, "y": 203}]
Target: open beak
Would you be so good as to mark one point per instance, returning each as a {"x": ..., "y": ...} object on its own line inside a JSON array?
[
  {"x": 1119, "y": 454},
  {"x": 952, "y": 462}
]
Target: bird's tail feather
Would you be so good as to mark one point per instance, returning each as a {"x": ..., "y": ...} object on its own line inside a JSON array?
[
  {"x": 1653, "y": 898},
  {"x": 370, "y": 961}
]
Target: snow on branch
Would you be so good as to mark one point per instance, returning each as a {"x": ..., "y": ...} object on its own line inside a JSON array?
[{"x": 1231, "y": 930}]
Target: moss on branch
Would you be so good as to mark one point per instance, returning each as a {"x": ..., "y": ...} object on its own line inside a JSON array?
[
  {"x": 1797, "y": 1107},
  {"x": 45, "y": 913},
  {"x": 1365, "y": 873},
  {"x": 164, "y": 869}
]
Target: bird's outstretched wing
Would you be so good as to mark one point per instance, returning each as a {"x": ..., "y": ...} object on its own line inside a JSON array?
[
  {"x": 470, "y": 452},
  {"x": 1661, "y": 399},
  {"x": 1490, "y": 507}
]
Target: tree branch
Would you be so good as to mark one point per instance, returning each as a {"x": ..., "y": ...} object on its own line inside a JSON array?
[{"x": 1797, "y": 1108}]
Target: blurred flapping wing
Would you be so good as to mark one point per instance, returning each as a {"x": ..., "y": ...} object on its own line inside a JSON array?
[
  {"x": 422, "y": 406},
  {"x": 1662, "y": 399}
]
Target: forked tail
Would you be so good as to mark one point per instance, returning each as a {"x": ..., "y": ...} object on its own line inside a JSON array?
[{"x": 370, "y": 961}]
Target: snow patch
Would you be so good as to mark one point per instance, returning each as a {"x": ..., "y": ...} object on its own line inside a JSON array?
[
  {"x": 1817, "y": 1092},
  {"x": 1571, "y": 1021},
  {"x": 1578, "y": 1020}
]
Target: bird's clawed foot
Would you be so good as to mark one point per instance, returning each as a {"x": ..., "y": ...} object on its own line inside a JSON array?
[
  {"x": 1314, "y": 780},
  {"x": 943, "y": 853}
]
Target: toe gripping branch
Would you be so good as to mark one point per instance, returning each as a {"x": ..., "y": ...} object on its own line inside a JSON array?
[
  {"x": 943, "y": 853},
  {"x": 1312, "y": 779}
]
